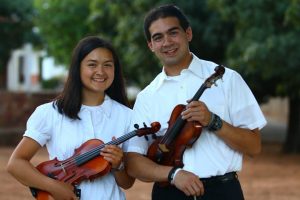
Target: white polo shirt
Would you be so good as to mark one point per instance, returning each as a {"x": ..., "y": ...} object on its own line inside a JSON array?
[
  {"x": 232, "y": 100},
  {"x": 63, "y": 135}
]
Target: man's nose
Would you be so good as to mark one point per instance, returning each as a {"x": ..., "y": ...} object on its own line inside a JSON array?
[{"x": 167, "y": 40}]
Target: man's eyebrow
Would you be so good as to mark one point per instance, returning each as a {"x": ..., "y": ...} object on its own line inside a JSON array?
[
  {"x": 174, "y": 28},
  {"x": 169, "y": 30}
]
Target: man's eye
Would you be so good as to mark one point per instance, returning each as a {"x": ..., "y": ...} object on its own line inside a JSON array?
[
  {"x": 157, "y": 39},
  {"x": 173, "y": 33}
]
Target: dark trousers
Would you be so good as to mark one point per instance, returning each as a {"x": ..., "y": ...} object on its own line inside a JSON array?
[{"x": 216, "y": 190}]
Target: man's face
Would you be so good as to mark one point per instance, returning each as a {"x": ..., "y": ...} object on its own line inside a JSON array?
[{"x": 170, "y": 42}]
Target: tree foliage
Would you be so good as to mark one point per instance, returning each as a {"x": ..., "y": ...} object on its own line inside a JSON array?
[
  {"x": 266, "y": 45},
  {"x": 124, "y": 23},
  {"x": 266, "y": 49},
  {"x": 62, "y": 23},
  {"x": 16, "y": 27}
]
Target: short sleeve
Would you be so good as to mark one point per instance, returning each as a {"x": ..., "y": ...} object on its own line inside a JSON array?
[
  {"x": 39, "y": 124},
  {"x": 245, "y": 111},
  {"x": 140, "y": 116}
]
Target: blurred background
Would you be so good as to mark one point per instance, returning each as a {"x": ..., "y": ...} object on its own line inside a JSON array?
[{"x": 258, "y": 38}]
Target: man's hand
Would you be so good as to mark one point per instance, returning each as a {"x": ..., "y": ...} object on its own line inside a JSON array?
[{"x": 188, "y": 183}]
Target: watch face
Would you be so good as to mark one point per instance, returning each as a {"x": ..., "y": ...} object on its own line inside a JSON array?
[
  {"x": 216, "y": 124},
  {"x": 121, "y": 167}
]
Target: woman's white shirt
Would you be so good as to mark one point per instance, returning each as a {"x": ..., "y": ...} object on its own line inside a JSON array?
[{"x": 63, "y": 135}]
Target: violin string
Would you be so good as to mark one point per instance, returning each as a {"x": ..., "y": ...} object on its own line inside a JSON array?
[
  {"x": 95, "y": 151},
  {"x": 174, "y": 131}
]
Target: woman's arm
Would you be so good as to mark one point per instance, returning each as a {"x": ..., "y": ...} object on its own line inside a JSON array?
[
  {"x": 122, "y": 177},
  {"x": 115, "y": 155},
  {"x": 20, "y": 167}
]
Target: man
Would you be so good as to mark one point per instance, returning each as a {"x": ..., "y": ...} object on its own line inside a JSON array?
[{"x": 230, "y": 116}]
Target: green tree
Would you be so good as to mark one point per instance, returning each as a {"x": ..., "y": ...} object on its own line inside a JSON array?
[
  {"x": 16, "y": 25},
  {"x": 122, "y": 20},
  {"x": 266, "y": 49},
  {"x": 62, "y": 23}
]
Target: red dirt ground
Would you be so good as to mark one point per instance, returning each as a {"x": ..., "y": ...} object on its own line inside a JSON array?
[{"x": 269, "y": 176}]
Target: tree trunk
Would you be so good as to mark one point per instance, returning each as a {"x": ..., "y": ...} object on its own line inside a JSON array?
[
  {"x": 3, "y": 74},
  {"x": 292, "y": 142}
]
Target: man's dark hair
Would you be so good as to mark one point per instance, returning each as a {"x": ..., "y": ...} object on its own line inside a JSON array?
[{"x": 163, "y": 12}]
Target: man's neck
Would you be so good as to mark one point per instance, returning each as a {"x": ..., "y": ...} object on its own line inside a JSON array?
[{"x": 175, "y": 70}]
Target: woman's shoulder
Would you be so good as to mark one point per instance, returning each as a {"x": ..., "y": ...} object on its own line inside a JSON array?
[
  {"x": 120, "y": 106},
  {"x": 47, "y": 107}
]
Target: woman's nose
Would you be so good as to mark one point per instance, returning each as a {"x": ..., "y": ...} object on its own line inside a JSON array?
[{"x": 99, "y": 70}]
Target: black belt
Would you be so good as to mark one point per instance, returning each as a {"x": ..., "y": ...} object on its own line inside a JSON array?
[{"x": 219, "y": 179}]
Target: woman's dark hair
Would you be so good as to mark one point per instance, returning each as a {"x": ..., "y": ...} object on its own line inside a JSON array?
[
  {"x": 70, "y": 100},
  {"x": 163, "y": 12}
]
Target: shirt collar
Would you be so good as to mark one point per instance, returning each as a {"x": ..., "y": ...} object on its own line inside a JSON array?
[
  {"x": 194, "y": 67},
  {"x": 105, "y": 107}
]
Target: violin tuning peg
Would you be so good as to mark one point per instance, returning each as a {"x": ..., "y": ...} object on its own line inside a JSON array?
[
  {"x": 146, "y": 137},
  {"x": 154, "y": 137},
  {"x": 136, "y": 126},
  {"x": 145, "y": 126}
]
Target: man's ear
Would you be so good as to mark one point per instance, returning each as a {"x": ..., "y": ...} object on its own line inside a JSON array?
[
  {"x": 150, "y": 46},
  {"x": 189, "y": 33}
]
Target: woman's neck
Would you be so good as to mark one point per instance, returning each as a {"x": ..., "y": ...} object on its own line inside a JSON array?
[{"x": 92, "y": 99}]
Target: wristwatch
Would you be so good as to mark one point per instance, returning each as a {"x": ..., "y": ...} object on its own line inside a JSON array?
[
  {"x": 215, "y": 124},
  {"x": 121, "y": 167}
]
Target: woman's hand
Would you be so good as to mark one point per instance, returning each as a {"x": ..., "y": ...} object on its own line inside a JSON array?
[
  {"x": 62, "y": 191},
  {"x": 113, "y": 154}
]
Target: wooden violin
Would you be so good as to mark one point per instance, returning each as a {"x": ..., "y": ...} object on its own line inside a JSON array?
[
  {"x": 168, "y": 149},
  {"x": 86, "y": 163}
]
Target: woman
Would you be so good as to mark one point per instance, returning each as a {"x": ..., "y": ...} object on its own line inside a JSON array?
[{"x": 92, "y": 105}]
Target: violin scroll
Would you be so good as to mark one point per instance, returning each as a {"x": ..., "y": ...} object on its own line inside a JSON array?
[
  {"x": 219, "y": 71},
  {"x": 155, "y": 126}
]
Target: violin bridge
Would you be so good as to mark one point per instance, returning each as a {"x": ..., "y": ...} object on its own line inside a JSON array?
[
  {"x": 163, "y": 148},
  {"x": 62, "y": 166}
]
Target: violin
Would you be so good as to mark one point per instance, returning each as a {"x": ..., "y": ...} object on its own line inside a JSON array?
[
  {"x": 86, "y": 163},
  {"x": 181, "y": 134}
]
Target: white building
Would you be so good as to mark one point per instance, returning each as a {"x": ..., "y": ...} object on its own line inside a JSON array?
[{"x": 23, "y": 72}]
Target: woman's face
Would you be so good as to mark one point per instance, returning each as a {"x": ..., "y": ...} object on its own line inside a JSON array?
[{"x": 97, "y": 71}]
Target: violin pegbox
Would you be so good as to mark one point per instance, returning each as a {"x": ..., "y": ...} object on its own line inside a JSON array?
[
  {"x": 154, "y": 127},
  {"x": 219, "y": 71}
]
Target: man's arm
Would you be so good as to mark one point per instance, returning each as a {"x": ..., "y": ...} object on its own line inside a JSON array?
[
  {"x": 145, "y": 169},
  {"x": 243, "y": 140},
  {"x": 240, "y": 139}
]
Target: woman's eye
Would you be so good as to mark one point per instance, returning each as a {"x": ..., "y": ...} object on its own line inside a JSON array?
[
  {"x": 92, "y": 65},
  {"x": 108, "y": 65}
]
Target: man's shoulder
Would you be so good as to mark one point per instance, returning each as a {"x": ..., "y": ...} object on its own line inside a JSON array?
[
  {"x": 151, "y": 88},
  {"x": 209, "y": 67}
]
